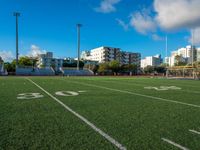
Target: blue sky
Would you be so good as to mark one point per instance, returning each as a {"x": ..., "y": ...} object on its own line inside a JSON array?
[{"x": 132, "y": 25}]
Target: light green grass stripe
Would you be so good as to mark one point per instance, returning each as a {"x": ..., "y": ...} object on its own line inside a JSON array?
[{"x": 91, "y": 125}]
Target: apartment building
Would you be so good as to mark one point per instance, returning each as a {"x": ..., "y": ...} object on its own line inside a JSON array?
[
  {"x": 107, "y": 54},
  {"x": 187, "y": 54},
  {"x": 47, "y": 61},
  {"x": 151, "y": 61},
  {"x": 130, "y": 58}
]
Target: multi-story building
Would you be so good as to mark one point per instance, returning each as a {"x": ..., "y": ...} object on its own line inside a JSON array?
[
  {"x": 85, "y": 55},
  {"x": 151, "y": 61},
  {"x": 198, "y": 54},
  {"x": 47, "y": 61},
  {"x": 130, "y": 58},
  {"x": 107, "y": 54},
  {"x": 187, "y": 54},
  {"x": 103, "y": 54}
]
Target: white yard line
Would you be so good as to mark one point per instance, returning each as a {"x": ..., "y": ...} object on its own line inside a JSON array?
[
  {"x": 193, "y": 131},
  {"x": 137, "y": 94},
  {"x": 91, "y": 125},
  {"x": 175, "y": 144},
  {"x": 142, "y": 85}
]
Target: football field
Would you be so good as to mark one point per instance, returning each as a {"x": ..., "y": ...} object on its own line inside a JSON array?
[{"x": 90, "y": 113}]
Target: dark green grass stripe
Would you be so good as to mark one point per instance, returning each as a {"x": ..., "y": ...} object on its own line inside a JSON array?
[{"x": 137, "y": 94}]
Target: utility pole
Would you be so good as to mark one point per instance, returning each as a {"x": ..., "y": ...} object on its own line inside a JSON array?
[
  {"x": 78, "y": 44},
  {"x": 17, "y": 14}
]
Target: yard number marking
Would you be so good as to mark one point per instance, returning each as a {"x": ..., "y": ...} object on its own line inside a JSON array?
[
  {"x": 66, "y": 93},
  {"x": 162, "y": 88},
  {"x": 90, "y": 124},
  {"x": 38, "y": 95},
  {"x": 29, "y": 96}
]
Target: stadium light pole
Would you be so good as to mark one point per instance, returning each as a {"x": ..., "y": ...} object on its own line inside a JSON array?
[
  {"x": 78, "y": 44},
  {"x": 192, "y": 47},
  {"x": 166, "y": 46},
  {"x": 17, "y": 14}
]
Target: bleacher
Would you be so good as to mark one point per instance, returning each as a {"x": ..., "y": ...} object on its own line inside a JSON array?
[
  {"x": 74, "y": 72},
  {"x": 46, "y": 71},
  {"x": 22, "y": 71}
]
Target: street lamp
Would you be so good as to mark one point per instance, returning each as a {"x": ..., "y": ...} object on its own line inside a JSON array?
[{"x": 17, "y": 14}]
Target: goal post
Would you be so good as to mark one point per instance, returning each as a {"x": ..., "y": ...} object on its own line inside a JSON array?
[{"x": 183, "y": 72}]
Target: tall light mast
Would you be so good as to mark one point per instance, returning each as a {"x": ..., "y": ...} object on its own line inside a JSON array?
[
  {"x": 192, "y": 47},
  {"x": 17, "y": 14},
  {"x": 78, "y": 44},
  {"x": 166, "y": 46}
]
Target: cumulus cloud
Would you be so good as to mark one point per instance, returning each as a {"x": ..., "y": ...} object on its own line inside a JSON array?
[
  {"x": 35, "y": 51},
  {"x": 176, "y": 14},
  {"x": 7, "y": 56},
  {"x": 196, "y": 36},
  {"x": 107, "y": 6},
  {"x": 123, "y": 24},
  {"x": 156, "y": 37},
  {"x": 143, "y": 22}
]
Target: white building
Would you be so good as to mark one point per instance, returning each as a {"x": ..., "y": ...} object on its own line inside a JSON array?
[
  {"x": 198, "y": 54},
  {"x": 107, "y": 54},
  {"x": 47, "y": 61},
  {"x": 104, "y": 54},
  {"x": 186, "y": 55},
  {"x": 151, "y": 61}
]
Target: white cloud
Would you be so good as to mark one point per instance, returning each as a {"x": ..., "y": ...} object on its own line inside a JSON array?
[
  {"x": 123, "y": 24},
  {"x": 7, "y": 56},
  {"x": 143, "y": 22},
  {"x": 156, "y": 37},
  {"x": 35, "y": 51},
  {"x": 196, "y": 36},
  {"x": 176, "y": 14},
  {"x": 107, "y": 6}
]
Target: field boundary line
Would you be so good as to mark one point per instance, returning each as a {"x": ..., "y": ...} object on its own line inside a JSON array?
[
  {"x": 91, "y": 125},
  {"x": 194, "y": 131},
  {"x": 137, "y": 94},
  {"x": 175, "y": 144}
]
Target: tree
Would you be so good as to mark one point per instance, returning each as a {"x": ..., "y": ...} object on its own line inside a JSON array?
[
  {"x": 10, "y": 67},
  {"x": 93, "y": 67},
  {"x": 129, "y": 68},
  {"x": 179, "y": 61},
  {"x": 103, "y": 68},
  {"x": 160, "y": 69},
  {"x": 149, "y": 69},
  {"x": 114, "y": 66},
  {"x": 73, "y": 64},
  {"x": 25, "y": 61}
]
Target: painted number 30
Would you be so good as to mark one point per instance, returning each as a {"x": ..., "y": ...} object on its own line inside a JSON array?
[{"x": 38, "y": 95}]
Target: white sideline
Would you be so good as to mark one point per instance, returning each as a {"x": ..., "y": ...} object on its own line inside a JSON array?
[
  {"x": 193, "y": 131},
  {"x": 137, "y": 94},
  {"x": 102, "y": 133},
  {"x": 174, "y": 144}
]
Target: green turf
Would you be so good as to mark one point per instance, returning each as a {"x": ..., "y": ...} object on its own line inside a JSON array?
[{"x": 112, "y": 104}]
